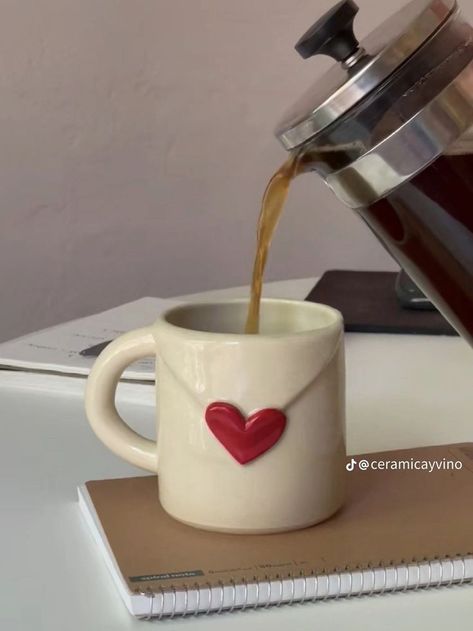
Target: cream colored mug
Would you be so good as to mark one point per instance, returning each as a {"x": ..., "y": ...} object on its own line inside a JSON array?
[{"x": 251, "y": 428}]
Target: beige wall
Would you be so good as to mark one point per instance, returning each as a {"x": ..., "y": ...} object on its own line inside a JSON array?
[{"x": 136, "y": 141}]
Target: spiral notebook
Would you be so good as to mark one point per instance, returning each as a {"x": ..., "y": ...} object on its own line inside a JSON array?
[{"x": 402, "y": 528}]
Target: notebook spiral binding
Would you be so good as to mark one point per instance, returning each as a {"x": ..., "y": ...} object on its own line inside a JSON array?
[{"x": 217, "y": 604}]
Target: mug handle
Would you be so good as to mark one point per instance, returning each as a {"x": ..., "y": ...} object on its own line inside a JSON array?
[{"x": 100, "y": 399}]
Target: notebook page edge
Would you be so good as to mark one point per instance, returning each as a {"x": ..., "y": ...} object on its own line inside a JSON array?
[{"x": 98, "y": 534}]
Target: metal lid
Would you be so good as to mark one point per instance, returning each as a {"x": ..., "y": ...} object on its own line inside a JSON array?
[{"x": 368, "y": 65}]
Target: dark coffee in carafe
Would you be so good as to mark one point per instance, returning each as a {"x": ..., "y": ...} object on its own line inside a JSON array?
[{"x": 427, "y": 225}]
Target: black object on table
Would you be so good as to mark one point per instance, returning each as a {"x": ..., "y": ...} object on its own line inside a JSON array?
[
  {"x": 95, "y": 350},
  {"x": 369, "y": 304}
]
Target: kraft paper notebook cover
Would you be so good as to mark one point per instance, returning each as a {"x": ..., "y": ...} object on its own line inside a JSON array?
[{"x": 399, "y": 529}]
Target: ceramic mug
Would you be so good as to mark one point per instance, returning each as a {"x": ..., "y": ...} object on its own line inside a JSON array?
[{"x": 251, "y": 431}]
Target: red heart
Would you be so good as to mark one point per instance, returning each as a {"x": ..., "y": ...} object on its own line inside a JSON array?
[{"x": 244, "y": 439}]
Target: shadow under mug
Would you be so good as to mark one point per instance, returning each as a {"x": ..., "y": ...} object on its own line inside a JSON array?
[{"x": 251, "y": 431}]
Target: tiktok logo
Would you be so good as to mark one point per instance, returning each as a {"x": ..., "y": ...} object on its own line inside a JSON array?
[{"x": 351, "y": 465}]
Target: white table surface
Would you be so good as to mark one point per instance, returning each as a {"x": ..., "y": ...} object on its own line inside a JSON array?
[{"x": 401, "y": 391}]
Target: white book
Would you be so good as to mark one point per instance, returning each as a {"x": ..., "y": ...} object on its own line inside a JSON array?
[{"x": 57, "y": 349}]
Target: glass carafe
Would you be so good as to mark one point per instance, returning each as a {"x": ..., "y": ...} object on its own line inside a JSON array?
[{"x": 390, "y": 132}]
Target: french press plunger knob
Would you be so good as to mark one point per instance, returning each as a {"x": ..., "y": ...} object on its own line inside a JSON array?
[{"x": 333, "y": 35}]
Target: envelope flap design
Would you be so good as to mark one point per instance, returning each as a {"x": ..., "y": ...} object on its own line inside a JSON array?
[{"x": 269, "y": 372}]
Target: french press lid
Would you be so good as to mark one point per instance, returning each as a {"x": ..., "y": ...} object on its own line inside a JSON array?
[{"x": 362, "y": 66}]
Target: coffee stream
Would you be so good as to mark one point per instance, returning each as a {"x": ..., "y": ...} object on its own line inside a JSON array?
[
  {"x": 299, "y": 161},
  {"x": 272, "y": 206}
]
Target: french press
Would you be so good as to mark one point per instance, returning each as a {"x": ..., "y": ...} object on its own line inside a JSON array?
[{"x": 390, "y": 130}]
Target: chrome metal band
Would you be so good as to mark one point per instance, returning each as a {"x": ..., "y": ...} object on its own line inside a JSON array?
[
  {"x": 414, "y": 146},
  {"x": 239, "y": 595}
]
